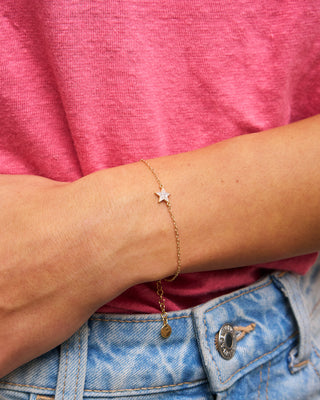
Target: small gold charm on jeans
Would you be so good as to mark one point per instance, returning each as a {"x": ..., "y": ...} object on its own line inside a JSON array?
[
  {"x": 166, "y": 328},
  {"x": 166, "y": 331}
]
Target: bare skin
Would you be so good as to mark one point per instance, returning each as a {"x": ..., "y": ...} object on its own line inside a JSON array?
[{"x": 75, "y": 246}]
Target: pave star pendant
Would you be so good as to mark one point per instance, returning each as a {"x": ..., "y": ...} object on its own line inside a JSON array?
[{"x": 163, "y": 195}]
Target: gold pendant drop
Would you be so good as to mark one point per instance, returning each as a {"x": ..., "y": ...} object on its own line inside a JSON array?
[
  {"x": 165, "y": 331},
  {"x": 166, "y": 328}
]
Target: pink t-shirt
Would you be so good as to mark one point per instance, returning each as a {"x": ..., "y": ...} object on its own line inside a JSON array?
[{"x": 87, "y": 85}]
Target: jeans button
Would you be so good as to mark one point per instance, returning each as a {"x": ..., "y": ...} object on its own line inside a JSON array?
[{"x": 226, "y": 342}]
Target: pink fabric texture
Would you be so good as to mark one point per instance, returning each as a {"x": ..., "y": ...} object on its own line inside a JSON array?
[{"x": 87, "y": 85}]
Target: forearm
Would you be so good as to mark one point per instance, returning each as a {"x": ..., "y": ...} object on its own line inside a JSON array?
[
  {"x": 251, "y": 199},
  {"x": 76, "y": 246}
]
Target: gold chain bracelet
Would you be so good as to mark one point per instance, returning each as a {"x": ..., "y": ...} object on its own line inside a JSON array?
[{"x": 164, "y": 196}]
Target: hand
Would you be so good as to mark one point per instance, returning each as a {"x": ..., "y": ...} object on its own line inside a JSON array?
[{"x": 50, "y": 282}]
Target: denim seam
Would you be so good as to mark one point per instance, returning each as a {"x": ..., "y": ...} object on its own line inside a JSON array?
[
  {"x": 136, "y": 321},
  {"x": 65, "y": 371},
  {"x": 147, "y": 388},
  {"x": 244, "y": 330},
  {"x": 239, "y": 295},
  {"x": 200, "y": 381},
  {"x": 30, "y": 386},
  {"x": 267, "y": 395},
  {"x": 259, "y": 388},
  {"x": 315, "y": 350},
  {"x": 301, "y": 364},
  {"x": 315, "y": 369},
  {"x": 79, "y": 358}
]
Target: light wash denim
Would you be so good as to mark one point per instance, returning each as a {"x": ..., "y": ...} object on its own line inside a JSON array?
[{"x": 124, "y": 357}]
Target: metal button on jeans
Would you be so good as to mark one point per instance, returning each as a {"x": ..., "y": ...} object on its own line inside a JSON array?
[{"x": 226, "y": 342}]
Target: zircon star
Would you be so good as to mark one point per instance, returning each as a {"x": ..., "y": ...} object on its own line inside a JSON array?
[{"x": 163, "y": 195}]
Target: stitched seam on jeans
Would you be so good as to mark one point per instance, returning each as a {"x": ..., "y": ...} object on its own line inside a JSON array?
[
  {"x": 239, "y": 295},
  {"x": 244, "y": 330},
  {"x": 205, "y": 332},
  {"x": 269, "y": 365},
  {"x": 65, "y": 371},
  {"x": 315, "y": 369},
  {"x": 315, "y": 350},
  {"x": 148, "y": 388},
  {"x": 41, "y": 397},
  {"x": 301, "y": 364},
  {"x": 79, "y": 358},
  {"x": 137, "y": 320},
  {"x": 200, "y": 381},
  {"x": 260, "y": 382},
  {"x": 30, "y": 386}
]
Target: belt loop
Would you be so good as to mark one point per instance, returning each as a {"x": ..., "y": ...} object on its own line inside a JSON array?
[
  {"x": 289, "y": 285},
  {"x": 72, "y": 367}
]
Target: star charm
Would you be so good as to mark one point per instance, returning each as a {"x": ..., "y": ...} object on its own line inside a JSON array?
[{"x": 163, "y": 195}]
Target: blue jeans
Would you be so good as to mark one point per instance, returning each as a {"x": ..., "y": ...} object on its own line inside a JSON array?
[{"x": 270, "y": 350}]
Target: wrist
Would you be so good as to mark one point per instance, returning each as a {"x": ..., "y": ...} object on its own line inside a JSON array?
[
  {"x": 71, "y": 221},
  {"x": 129, "y": 232}
]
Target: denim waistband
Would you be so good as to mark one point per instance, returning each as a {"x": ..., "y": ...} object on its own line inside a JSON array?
[{"x": 121, "y": 354}]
